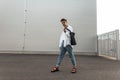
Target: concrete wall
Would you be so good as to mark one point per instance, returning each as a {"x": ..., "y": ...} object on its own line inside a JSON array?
[
  {"x": 11, "y": 24},
  {"x": 42, "y": 28}
]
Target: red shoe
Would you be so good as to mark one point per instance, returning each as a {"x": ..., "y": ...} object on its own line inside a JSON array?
[
  {"x": 74, "y": 70},
  {"x": 55, "y": 69}
]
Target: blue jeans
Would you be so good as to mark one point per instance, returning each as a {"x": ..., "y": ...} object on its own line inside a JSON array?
[{"x": 63, "y": 50}]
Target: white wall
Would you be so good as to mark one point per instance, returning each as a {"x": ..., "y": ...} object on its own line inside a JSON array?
[
  {"x": 11, "y": 24},
  {"x": 43, "y": 26}
]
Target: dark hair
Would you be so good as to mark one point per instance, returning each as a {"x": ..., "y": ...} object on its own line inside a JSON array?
[{"x": 63, "y": 19}]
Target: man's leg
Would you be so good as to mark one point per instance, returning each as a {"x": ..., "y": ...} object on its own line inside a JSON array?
[
  {"x": 72, "y": 57},
  {"x": 71, "y": 54},
  {"x": 61, "y": 56}
]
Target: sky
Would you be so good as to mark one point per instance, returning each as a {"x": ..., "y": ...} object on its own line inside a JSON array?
[{"x": 108, "y": 15}]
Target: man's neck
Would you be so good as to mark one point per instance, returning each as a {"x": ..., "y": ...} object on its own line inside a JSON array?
[{"x": 65, "y": 26}]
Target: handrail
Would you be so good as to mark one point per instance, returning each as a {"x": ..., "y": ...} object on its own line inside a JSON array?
[{"x": 109, "y": 44}]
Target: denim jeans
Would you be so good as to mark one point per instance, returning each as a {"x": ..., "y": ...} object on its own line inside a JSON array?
[{"x": 63, "y": 50}]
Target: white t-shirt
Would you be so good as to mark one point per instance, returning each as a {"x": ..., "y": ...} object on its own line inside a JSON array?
[{"x": 66, "y": 37}]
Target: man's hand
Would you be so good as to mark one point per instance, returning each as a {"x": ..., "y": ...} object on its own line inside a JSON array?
[{"x": 64, "y": 30}]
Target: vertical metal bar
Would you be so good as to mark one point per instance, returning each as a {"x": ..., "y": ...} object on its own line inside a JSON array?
[
  {"x": 108, "y": 43},
  {"x": 117, "y": 38},
  {"x": 25, "y": 21},
  {"x": 102, "y": 45},
  {"x": 97, "y": 45},
  {"x": 115, "y": 43},
  {"x": 111, "y": 51}
]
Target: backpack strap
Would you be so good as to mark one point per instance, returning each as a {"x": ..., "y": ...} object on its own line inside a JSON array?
[{"x": 68, "y": 29}]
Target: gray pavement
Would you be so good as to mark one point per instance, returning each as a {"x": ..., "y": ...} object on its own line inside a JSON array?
[{"x": 37, "y": 67}]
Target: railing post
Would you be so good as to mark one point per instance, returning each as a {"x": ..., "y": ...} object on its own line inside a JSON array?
[{"x": 118, "y": 45}]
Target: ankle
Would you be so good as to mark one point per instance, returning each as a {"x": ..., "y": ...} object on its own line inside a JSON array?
[
  {"x": 74, "y": 67},
  {"x": 57, "y": 66}
]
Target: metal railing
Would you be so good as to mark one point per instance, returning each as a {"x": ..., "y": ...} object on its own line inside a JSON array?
[{"x": 109, "y": 44}]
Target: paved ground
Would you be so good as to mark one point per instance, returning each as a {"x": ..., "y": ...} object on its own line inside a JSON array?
[{"x": 37, "y": 67}]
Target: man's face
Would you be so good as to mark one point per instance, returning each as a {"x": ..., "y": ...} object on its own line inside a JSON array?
[{"x": 64, "y": 23}]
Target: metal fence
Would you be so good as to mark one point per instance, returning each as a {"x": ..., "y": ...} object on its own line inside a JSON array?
[{"x": 109, "y": 44}]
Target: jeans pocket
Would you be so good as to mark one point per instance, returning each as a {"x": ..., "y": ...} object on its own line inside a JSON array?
[{"x": 69, "y": 46}]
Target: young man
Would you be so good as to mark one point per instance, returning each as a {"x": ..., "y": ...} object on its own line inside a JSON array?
[{"x": 65, "y": 46}]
